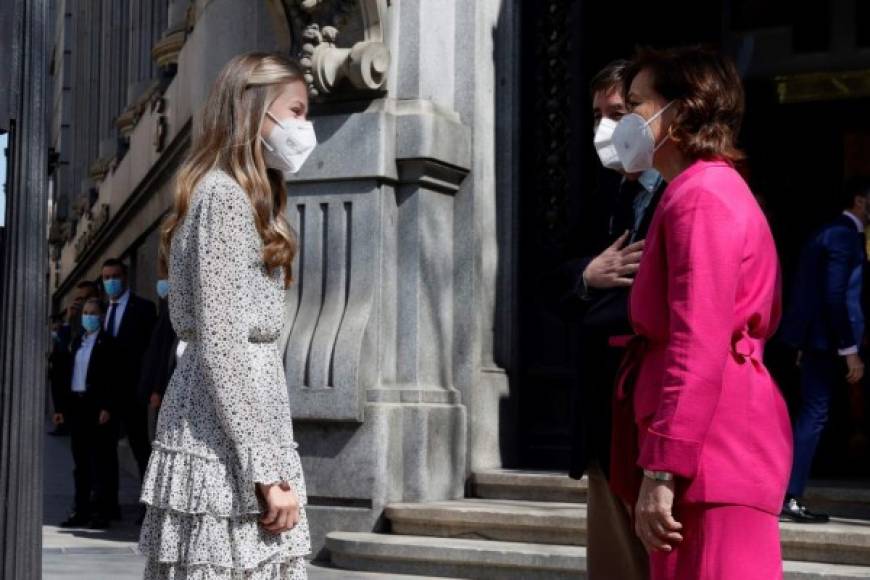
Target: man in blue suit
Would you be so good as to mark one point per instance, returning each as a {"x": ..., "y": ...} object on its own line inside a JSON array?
[{"x": 825, "y": 322}]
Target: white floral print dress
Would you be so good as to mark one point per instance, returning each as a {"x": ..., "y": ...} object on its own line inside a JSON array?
[{"x": 225, "y": 421}]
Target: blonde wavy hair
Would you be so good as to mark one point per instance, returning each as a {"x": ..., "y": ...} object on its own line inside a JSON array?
[{"x": 227, "y": 137}]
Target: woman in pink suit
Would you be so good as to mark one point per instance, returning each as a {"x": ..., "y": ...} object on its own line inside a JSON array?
[{"x": 703, "y": 443}]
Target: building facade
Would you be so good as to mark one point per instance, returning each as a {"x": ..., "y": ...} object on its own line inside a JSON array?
[
  {"x": 453, "y": 173},
  {"x": 391, "y": 349}
]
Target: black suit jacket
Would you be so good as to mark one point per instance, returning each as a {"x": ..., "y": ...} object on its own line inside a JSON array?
[
  {"x": 134, "y": 335},
  {"x": 101, "y": 381},
  {"x": 159, "y": 360},
  {"x": 57, "y": 359},
  {"x": 601, "y": 314},
  {"x": 605, "y": 311}
]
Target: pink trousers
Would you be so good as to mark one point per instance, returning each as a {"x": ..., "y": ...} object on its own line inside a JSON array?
[{"x": 722, "y": 542}]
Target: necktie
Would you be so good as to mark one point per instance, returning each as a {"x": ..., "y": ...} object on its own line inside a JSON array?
[{"x": 110, "y": 326}]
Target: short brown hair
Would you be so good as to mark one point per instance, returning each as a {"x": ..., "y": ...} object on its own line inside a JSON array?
[
  {"x": 610, "y": 77},
  {"x": 116, "y": 263},
  {"x": 707, "y": 93},
  {"x": 91, "y": 287},
  {"x": 96, "y": 301},
  {"x": 855, "y": 186}
]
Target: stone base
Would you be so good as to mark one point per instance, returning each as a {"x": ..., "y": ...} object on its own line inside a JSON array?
[
  {"x": 400, "y": 453},
  {"x": 455, "y": 557}
]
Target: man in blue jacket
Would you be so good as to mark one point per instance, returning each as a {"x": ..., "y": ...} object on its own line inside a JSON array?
[{"x": 825, "y": 322}]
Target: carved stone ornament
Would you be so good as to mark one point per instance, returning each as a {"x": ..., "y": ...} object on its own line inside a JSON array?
[
  {"x": 128, "y": 119},
  {"x": 166, "y": 50},
  {"x": 360, "y": 63},
  {"x": 99, "y": 168},
  {"x": 58, "y": 233},
  {"x": 99, "y": 219},
  {"x": 326, "y": 66}
]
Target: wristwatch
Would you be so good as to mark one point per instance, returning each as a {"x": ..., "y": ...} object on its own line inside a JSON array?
[{"x": 658, "y": 475}]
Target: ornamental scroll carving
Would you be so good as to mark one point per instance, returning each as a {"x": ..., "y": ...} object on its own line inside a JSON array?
[{"x": 340, "y": 43}]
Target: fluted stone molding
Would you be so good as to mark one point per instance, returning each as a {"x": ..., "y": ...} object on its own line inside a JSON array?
[{"x": 23, "y": 292}]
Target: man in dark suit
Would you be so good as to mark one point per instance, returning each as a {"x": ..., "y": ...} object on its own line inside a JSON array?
[
  {"x": 160, "y": 358},
  {"x": 597, "y": 293},
  {"x": 825, "y": 322},
  {"x": 85, "y": 401},
  {"x": 130, "y": 320},
  {"x": 63, "y": 337}
]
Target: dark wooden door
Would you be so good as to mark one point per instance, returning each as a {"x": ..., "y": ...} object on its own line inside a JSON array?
[{"x": 562, "y": 199}]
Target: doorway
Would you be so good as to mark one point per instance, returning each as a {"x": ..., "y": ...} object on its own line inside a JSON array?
[{"x": 798, "y": 156}]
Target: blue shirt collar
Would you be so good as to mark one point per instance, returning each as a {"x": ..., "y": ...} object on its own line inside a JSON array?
[{"x": 650, "y": 180}]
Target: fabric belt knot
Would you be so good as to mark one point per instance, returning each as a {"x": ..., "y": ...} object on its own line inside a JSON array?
[{"x": 745, "y": 347}]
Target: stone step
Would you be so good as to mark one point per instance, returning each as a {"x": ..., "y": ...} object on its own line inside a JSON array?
[
  {"x": 528, "y": 485},
  {"x": 849, "y": 500},
  {"x": 492, "y": 519},
  {"x": 455, "y": 557},
  {"x": 819, "y": 571},
  {"x": 840, "y": 541},
  {"x": 492, "y": 560}
]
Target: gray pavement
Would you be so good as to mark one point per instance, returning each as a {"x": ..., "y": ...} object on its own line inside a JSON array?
[{"x": 81, "y": 554}]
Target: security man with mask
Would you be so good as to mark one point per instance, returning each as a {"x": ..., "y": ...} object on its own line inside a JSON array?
[
  {"x": 129, "y": 320},
  {"x": 161, "y": 357},
  {"x": 597, "y": 287},
  {"x": 86, "y": 401}
]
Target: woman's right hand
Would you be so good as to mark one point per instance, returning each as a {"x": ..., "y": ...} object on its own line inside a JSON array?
[
  {"x": 57, "y": 419},
  {"x": 282, "y": 507}
]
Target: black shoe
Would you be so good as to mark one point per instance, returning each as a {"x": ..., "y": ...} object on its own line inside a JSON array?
[
  {"x": 794, "y": 510},
  {"x": 76, "y": 520},
  {"x": 100, "y": 523}
]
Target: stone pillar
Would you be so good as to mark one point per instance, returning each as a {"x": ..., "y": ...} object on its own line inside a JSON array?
[
  {"x": 371, "y": 345},
  {"x": 23, "y": 294},
  {"x": 147, "y": 22},
  {"x": 370, "y": 318},
  {"x": 86, "y": 31},
  {"x": 486, "y": 98},
  {"x": 113, "y": 73}
]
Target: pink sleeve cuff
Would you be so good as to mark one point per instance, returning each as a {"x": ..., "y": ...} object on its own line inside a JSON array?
[{"x": 660, "y": 452}]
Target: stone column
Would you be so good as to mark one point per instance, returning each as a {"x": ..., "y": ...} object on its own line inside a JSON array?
[
  {"x": 486, "y": 98},
  {"x": 147, "y": 22},
  {"x": 23, "y": 322},
  {"x": 86, "y": 31},
  {"x": 371, "y": 322},
  {"x": 113, "y": 66},
  {"x": 370, "y": 318}
]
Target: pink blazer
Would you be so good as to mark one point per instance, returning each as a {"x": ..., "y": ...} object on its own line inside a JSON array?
[{"x": 706, "y": 299}]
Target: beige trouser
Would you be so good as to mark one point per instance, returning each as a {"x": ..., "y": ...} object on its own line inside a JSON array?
[{"x": 613, "y": 551}]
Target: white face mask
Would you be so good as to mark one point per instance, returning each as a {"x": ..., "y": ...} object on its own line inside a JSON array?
[
  {"x": 604, "y": 144},
  {"x": 289, "y": 144},
  {"x": 634, "y": 141}
]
